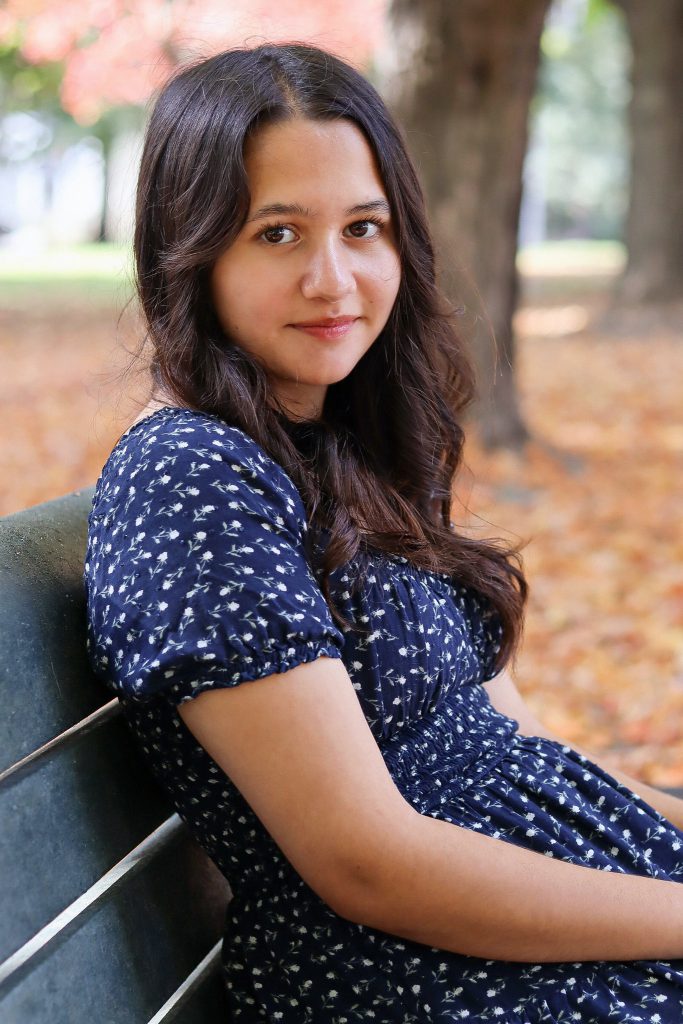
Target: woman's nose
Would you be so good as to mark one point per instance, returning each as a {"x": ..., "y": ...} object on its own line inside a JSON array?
[{"x": 328, "y": 273}]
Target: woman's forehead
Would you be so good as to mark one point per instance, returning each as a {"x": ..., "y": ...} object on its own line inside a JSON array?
[{"x": 303, "y": 163}]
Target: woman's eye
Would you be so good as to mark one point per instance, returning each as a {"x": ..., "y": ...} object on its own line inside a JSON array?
[
  {"x": 277, "y": 233},
  {"x": 364, "y": 229}
]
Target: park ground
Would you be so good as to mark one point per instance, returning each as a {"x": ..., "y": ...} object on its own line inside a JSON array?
[{"x": 596, "y": 496}]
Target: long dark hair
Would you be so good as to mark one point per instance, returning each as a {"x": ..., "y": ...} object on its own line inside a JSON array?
[{"x": 377, "y": 469}]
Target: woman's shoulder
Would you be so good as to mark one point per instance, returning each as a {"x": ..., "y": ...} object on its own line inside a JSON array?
[
  {"x": 160, "y": 425},
  {"x": 185, "y": 450}
]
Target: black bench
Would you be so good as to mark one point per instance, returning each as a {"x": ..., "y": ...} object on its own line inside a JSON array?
[{"x": 110, "y": 912}]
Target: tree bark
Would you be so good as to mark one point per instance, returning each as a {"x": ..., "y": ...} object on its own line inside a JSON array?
[
  {"x": 460, "y": 77},
  {"x": 106, "y": 140},
  {"x": 654, "y": 229}
]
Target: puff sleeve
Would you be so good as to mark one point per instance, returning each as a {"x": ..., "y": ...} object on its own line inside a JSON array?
[{"x": 196, "y": 575}]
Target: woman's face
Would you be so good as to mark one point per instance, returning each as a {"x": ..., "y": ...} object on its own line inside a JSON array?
[{"x": 310, "y": 281}]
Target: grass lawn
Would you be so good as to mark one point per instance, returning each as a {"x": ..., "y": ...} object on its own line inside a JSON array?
[
  {"x": 94, "y": 275},
  {"x": 575, "y": 256}
]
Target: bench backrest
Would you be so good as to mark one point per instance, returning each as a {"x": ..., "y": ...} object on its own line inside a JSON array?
[{"x": 110, "y": 912}]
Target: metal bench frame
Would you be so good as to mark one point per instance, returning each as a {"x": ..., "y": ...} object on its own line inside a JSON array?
[{"x": 111, "y": 912}]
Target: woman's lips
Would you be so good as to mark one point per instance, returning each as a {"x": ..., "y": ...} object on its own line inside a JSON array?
[{"x": 336, "y": 328}]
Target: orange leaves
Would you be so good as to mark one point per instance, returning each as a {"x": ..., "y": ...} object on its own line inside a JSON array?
[
  {"x": 59, "y": 400},
  {"x": 598, "y": 495},
  {"x": 600, "y": 500}
]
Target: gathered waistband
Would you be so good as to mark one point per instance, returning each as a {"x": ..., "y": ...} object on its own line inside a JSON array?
[{"x": 451, "y": 748}]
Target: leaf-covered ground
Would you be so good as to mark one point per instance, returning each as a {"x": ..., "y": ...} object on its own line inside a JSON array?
[
  {"x": 597, "y": 495},
  {"x": 599, "y": 499}
]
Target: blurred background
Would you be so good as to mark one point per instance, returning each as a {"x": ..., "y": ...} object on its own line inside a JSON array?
[{"x": 549, "y": 138}]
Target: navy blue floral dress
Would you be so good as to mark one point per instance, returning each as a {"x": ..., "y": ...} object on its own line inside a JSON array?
[{"x": 196, "y": 579}]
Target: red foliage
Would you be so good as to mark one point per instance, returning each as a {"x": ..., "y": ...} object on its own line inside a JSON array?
[{"x": 119, "y": 51}]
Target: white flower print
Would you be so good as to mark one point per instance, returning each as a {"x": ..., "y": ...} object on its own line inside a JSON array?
[{"x": 213, "y": 589}]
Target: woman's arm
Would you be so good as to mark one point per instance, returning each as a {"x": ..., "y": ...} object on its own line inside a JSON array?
[
  {"x": 507, "y": 699},
  {"x": 300, "y": 750}
]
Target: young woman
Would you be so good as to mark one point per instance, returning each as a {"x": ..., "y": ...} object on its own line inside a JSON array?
[{"x": 311, "y": 655}]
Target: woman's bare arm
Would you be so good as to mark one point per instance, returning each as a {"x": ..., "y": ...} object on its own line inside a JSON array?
[
  {"x": 300, "y": 750},
  {"x": 506, "y": 698},
  {"x": 466, "y": 892}
]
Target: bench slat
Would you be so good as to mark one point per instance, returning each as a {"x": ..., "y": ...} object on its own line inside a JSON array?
[
  {"x": 207, "y": 1005},
  {"x": 26, "y": 959},
  {"x": 68, "y": 821},
  {"x": 27, "y": 764},
  {"x": 182, "y": 997},
  {"x": 118, "y": 959}
]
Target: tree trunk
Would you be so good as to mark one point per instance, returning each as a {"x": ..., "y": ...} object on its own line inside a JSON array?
[
  {"x": 105, "y": 139},
  {"x": 461, "y": 78},
  {"x": 654, "y": 229}
]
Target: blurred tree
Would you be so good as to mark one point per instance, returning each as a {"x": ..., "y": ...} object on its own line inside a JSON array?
[
  {"x": 654, "y": 230},
  {"x": 26, "y": 86},
  {"x": 117, "y": 52},
  {"x": 37, "y": 87},
  {"x": 461, "y": 76},
  {"x": 101, "y": 60}
]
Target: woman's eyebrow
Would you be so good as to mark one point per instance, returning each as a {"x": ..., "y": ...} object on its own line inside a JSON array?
[
  {"x": 373, "y": 206},
  {"x": 295, "y": 209}
]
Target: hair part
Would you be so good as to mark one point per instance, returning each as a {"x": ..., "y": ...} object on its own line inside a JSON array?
[{"x": 378, "y": 469}]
